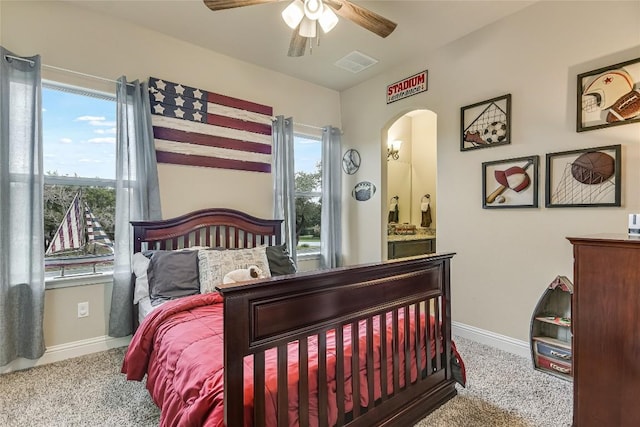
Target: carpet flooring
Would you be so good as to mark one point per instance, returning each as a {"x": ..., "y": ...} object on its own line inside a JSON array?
[{"x": 503, "y": 390}]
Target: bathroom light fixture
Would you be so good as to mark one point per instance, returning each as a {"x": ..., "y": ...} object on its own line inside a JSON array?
[{"x": 393, "y": 149}]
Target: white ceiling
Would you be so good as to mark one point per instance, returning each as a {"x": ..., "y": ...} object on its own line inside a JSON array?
[{"x": 257, "y": 34}]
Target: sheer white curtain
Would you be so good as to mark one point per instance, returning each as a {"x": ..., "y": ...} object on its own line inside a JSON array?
[
  {"x": 137, "y": 193},
  {"x": 284, "y": 180},
  {"x": 21, "y": 209},
  {"x": 331, "y": 228}
]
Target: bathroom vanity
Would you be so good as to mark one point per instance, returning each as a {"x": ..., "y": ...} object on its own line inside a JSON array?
[{"x": 401, "y": 246}]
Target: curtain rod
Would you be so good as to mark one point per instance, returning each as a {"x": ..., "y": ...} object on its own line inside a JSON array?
[
  {"x": 307, "y": 126},
  {"x": 114, "y": 81},
  {"x": 51, "y": 67}
]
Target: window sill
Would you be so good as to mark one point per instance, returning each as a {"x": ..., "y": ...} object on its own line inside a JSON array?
[
  {"x": 78, "y": 280},
  {"x": 308, "y": 257}
]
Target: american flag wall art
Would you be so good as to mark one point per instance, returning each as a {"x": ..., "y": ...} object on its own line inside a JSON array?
[{"x": 199, "y": 128}]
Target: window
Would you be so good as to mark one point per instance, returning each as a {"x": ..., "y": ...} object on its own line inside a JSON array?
[
  {"x": 78, "y": 134},
  {"x": 308, "y": 184}
]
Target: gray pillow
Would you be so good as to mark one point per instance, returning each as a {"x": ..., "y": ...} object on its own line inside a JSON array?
[
  {"x": 280, "y": 262},
  {"x": 172, "y": 274}
]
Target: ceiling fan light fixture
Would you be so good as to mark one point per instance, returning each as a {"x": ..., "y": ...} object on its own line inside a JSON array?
[
  {"x": 328, "y": 20},
  {"x": 308, "y": 28},
  {"x": 313, "y": 9},
  {"x": 293, "y": 14}
]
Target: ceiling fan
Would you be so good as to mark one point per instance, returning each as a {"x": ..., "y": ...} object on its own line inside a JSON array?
[{"x": 305, "y": 16}]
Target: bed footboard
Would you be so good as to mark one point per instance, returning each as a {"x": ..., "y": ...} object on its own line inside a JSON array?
[{"x": 298, "y": 330}]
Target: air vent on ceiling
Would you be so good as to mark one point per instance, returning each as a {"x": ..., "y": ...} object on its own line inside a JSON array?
[{"x": 356, "y": 62}]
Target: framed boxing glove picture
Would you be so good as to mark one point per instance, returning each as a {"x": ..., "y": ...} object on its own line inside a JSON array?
[{"x": 609, "y": 96}]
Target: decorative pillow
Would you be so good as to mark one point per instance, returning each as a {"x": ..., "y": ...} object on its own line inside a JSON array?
[
  {"x": 279, "y": 260},
  {"x": 215, "y": 264},
  {"x": 172, "y": 274},
  {"x": 140, "y": 264}
]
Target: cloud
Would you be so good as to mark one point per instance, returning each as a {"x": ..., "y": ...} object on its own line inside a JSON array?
[
  {"x": 96, "y": 121},
  {"x": 105, "y": 131},
  {"x": 66, "y": 140},
  {"x": 90, "y": 118},
  {"x": 89, "y": 161},
  {"x": 104, "y": 124},
  {"x": 105, "y": 140}
]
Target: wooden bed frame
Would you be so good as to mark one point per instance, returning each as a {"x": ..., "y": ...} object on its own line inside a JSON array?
[{"x": 275, "y": 312}]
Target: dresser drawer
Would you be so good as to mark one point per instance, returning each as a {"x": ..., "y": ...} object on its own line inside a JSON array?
[{"x": 553, "y": 351}]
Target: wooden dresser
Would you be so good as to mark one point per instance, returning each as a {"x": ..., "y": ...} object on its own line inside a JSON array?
[{"x": 606, "y": 331}]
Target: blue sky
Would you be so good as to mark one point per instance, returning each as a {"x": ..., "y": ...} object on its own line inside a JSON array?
[
  {"x": 80, "y": 134},
  {"x": 308, "y": 153}
]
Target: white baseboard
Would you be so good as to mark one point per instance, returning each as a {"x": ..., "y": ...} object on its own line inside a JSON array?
[
  {"x": 501, "y": 342},
  {"x": 65, "y": 351}
]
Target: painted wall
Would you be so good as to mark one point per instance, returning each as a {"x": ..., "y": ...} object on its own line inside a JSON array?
[
  {"x": 504, "y": 259},
  {"x": 76, "y": 39}
]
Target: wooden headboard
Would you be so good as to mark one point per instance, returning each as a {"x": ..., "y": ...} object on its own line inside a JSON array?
[{"x": 214, "y": 227}]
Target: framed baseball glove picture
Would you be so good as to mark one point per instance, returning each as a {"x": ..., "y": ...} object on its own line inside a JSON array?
[
  {"x": 510, "y": 183},
  {"x": 609, "y": 96}
]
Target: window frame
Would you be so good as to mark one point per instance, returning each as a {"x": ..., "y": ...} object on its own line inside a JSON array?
[
  {"x": 84, "y": 278},
  {"x": 308, "y": 194}
]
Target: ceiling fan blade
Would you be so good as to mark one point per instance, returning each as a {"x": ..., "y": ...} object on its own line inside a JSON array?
[
  {"x": 229, "y": 4},
  {"x": 298, "y": 44},
  {"x": 363, "y": 17}
]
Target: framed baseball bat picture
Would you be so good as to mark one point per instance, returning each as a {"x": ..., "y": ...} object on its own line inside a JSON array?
[
  {"x": 510, "y": 183},
  {"x": 609, "y": 96}
]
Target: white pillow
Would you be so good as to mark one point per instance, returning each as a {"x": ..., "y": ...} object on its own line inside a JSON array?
[
  {"x": 214, "y": 264},
  {"x": 140, "y": 265}
]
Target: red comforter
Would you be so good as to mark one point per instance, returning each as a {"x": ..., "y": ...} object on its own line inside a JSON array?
[{"x": 179, "y": 346}]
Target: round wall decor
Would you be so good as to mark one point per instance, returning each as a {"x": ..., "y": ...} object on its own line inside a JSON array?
[
  {"x": 351, "y": 161},
  {"x": 363, "y": 191}
]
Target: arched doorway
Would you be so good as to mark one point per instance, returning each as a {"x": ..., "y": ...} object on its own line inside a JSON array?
[{"x": 409, "y": 175}]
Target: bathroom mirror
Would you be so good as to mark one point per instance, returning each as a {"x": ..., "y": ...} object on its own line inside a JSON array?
[{"x": 411, "y": 172}]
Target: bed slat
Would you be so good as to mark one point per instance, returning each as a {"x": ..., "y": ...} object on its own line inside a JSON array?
[
  {"x": 427, "y": 330},
  {"x": 340, "y": 373},
  {"x": 283, "y": 387},
  {"x": 370, "y": 366},
  {"x": 303, "y": 385},
  {"x": 395, "y": 348},
  {"x": 383, "y": 356},
  {"x": 258, "y": 389},
  {"x": 407, "y": 347},
  {"x": 416, "y": 336},
  {"x": 355, "y": 369},
  {"x": 437, "y": 335},
  {"x": 323, "y": 390}
]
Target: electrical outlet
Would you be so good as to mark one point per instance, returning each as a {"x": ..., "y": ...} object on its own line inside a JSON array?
[{"x": 83, "y": 309}]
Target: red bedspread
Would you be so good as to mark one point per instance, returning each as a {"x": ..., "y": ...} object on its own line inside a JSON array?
[{"x": 180, "y": 348}]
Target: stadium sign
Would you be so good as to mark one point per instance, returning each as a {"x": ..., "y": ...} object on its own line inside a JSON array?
[{"x": 407, "y": 87}]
